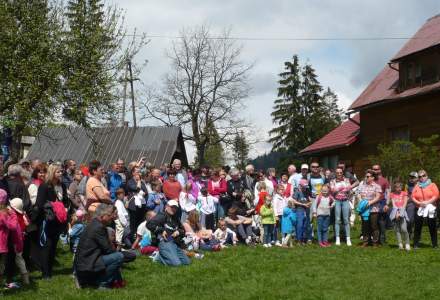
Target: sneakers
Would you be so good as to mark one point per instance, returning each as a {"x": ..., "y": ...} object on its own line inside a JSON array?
[
  {"x": 407, "y": 247},
  {"x": 338, "y": 241},
  {"x": 199, "y": 256},
  {"x": 348, "y": 242},
  {"x": 267, "y": 245},
  {"x": 12, "y": 285},
  {"x": 400, "y": 246},
  {"x": 277, "y": 243}
]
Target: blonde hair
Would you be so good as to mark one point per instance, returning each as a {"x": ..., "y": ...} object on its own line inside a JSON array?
[
  {"x": 51, "y": 170},
  {"x": 261, "y": 186}
]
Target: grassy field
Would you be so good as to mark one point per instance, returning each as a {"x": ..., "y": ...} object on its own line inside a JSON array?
[{"x": 304, "y": 272}]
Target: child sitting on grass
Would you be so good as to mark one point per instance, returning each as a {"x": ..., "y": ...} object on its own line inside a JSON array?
[
  {"x": 268, "y": 221},
  {"x": 225, "y": 235},
  {"x": 288, "y": 223},
  {"x": 143, "y": 240},
  {"x": 321, "y": 211},
  {"x": 399, "y": 198}
]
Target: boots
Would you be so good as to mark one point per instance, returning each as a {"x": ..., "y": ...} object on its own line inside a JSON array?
[{"x": 25, "y": 278}]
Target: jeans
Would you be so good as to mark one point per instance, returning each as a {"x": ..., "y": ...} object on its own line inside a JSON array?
[
  {"x": 277, "y": 228},
  {"x": 432, "y": 225},
  {"x": 171, "y": 255},
  {"x": 244, "y": 231},
  {"x": 268, "y": 233},
  {"x": 113, "y": 263},
  {"x": 301, "y": 224},
  {"x": 219, "y": 212},
  {"x": 344, "y": 208},
  {"x": 323, "y": 224}
]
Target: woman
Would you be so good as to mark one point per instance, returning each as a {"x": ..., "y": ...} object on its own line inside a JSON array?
[
  {"x": 340, "y": 188},
  {"x": 425, "y": 195},
  {"x": 196, "y": 183},
  {"x": 50, "y": 194},
  {"x": 217, "y": 188},
  {"x": 137, "y": 193},
  {"x": 271, "y": 176},
  {"x": 75, "y": 198},
  {"x": 372, "y": 192},
  {"x": 171, "y": 187},
  {"x": 96, "y": 192},
  {"x": 37, "y": 178}
]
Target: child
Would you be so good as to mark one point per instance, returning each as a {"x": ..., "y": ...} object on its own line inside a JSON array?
[
  {"x": 10, "y": 231},
  {"x": 123, "y": 221},
  {"x": 187, "y": 201},
  {"x": 399, "y": 198},
  {"x": 268, "y": 221},
  {"x": 288, "y": 223},
  {"x": 207, "y": 209},
  {"x": 76, "y": 229},
  {"x": 143, "y": 240},
  {"x": 302, "y": 202},
  {"x": 279, "y": 203},
  {"x": 17, "y": 212},
  {"x": 225, "y": 235},
  {"x": 321, "y": 210},
  {"x": 262, "y": 193},
  {"x": 156, "y": 199}
]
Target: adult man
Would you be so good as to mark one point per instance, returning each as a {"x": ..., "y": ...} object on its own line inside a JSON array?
[
  {"x": 383, "y": 208},
  {"x": 316, "y": 181},
  {"x": 181, "y": 175},
  {"x": 294, "y": 177},
  {"x": 123, "y": 172},
  {"x": 169, "y": 231},
  {"x": 248, "y": 178},
  {"x": 114, "y": 180},
  {"x": 69, "y": 172},
  {"x": 410, "y": 206},
  {"x": 16, "y": 186},
  {"x": 96, "y": 261}
]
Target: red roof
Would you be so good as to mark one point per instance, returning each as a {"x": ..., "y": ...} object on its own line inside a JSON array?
[
  {"x": 383, "y": 87},
  {"x": 342, "y": 136}
]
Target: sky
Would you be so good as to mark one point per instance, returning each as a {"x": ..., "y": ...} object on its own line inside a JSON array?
[{"x": 346, "y": 67}]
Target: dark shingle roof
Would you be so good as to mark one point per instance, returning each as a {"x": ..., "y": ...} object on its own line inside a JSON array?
[{"x": 158, "y": 144}]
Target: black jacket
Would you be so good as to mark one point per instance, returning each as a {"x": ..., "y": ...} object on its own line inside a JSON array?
[
  {"x": 17, "y": 189},
  {"x": 46, "y": 193},
  {"x": 93, "y": 244},
  {"x": 164, "y": 222},
  {"x": 248, "y": 182},
  {"x": 237, "y": 187}
]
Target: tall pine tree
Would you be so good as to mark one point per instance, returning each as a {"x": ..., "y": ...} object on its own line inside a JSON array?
[
  {"x": 303, "y": 112},
  {"x": 241, "y": 150}
]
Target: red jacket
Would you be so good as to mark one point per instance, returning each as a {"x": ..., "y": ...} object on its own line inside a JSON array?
[
  {"x": 261, "y": 199},
  {"x": 288, "y": 191},
  {"x": 217, "y": 191},
  {"x": 9, "y": 228}
]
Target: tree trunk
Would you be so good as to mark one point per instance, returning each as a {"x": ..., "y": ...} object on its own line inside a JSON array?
[
  {"x": 201, "y": 149},
  {"x": 15, "y": 149}
]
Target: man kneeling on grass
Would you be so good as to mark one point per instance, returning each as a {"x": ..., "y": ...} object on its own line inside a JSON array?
[
  {"x": 169, "y": 231},
  {"x": 96, "y": 262}
]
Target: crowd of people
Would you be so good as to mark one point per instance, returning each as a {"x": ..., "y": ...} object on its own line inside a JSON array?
[{"x": 171, "y": 214}]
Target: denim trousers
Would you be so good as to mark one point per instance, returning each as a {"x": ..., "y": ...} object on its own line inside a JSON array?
[
  {"x": 171, "y": 255},
  {"x": 323, "y": 224},
  {"x": 303, "y": 232},
  {"x": 113, "y": 263},
  {"x": 342, "y": 207},
  {"x": 268, "y": 233}
]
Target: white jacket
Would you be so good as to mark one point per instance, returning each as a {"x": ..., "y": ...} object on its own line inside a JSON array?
[
  {"x": 279, "y": 202},
  {"x": 187, "y": 201},
  {"x": 207, "y": 204},
  {"x": 122, "y": 213}
]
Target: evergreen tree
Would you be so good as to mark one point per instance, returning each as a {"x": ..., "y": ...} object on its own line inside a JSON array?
[
  {"x": 303, "y": 113},
  {"x": 214, "y": 153},
  {"x": 93, "y": 60},
  {"x": 241, "y": 151}
]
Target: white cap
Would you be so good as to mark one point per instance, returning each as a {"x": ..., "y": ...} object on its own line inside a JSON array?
[
  {"x": 17, "y": 205},
  {"x": 304, "y": 166},
  {"x": 173, "y": 203}
]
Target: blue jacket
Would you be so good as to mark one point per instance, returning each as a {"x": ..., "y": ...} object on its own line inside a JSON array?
[
  {"x": 114, "y": 182},
  {"x": 151, "y": 205},
  {"x": 363, "y": 209},
  {"x": 288, "y": 222}
]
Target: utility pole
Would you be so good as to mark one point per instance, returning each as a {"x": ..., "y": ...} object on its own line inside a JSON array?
[
  {"x": 132, "y": 93},
  {"x": 124, "y": 99}
]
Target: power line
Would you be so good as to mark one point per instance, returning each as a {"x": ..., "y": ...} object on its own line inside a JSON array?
[{"x": 171, "y": 37}]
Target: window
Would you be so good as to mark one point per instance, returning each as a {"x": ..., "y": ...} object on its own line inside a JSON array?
[{"x": 399, "y": 133}]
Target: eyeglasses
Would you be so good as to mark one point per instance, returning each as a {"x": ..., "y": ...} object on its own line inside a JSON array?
[
  {"x": 422, "y": 176},
  {"x": 314, "y": 167}
]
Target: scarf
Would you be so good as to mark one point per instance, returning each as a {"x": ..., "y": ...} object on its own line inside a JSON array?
[{"x": 424, "y": 184}]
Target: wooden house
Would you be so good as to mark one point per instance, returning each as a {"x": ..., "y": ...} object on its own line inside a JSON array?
[{"x": 399, "y": 104}]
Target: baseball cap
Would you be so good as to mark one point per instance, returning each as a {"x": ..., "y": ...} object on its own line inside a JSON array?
[
  {"x": 17, "y": 205},
  {"x": 413, "y": 174},
  {"x": 173, "y": 203},
  {"x": 304, "y": 166}
]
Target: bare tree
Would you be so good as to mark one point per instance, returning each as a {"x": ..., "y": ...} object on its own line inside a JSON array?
[{"x": 207, "y": 85}]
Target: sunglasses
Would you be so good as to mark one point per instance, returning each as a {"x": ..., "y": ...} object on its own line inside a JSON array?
[
  {"x": 314, "y": 167},
  {"x": 422, "y": 176}
]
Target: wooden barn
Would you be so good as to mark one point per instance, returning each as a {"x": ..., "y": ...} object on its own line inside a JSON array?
[{"x": 399, "y": 104}]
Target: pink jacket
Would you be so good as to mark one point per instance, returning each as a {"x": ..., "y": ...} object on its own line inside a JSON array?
[{"x": 9, "y": 226}]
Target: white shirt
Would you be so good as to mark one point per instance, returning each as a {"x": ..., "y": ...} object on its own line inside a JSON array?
[
  {"x": 207, "y": 204},
  {"x": 294, "y": 179},
  {"x": 279, "y": 203},
  {"x": 122, "y": 213},
  {"x": 222, "y": 235},
  {"x": 187, "y": 201}
]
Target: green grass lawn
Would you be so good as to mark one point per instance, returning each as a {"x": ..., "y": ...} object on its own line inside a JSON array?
[{"x": 305, "y": 272}]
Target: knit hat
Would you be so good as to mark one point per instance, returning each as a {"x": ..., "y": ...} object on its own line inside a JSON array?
[
  {"x": 17, "y": 205},
  {"x": 3, "y": 196}
]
